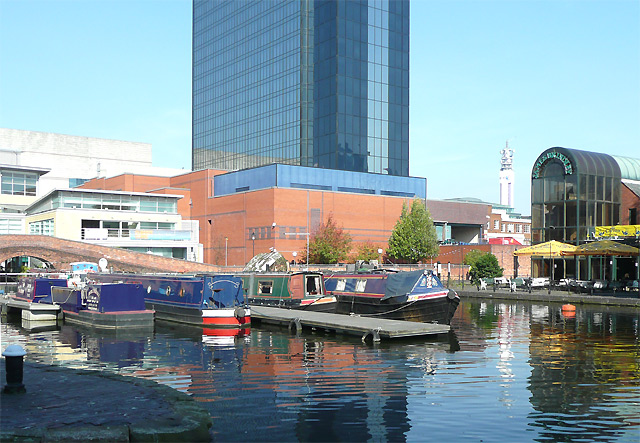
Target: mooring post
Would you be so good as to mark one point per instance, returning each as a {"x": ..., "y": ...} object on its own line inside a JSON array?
[{"x": 13, "y": 361}]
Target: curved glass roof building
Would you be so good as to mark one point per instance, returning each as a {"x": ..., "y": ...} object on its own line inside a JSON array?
[{"x": 574, "y": 191}]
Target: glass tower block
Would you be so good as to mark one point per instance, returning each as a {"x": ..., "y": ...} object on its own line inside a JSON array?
[{"x": 301, "y": 82}]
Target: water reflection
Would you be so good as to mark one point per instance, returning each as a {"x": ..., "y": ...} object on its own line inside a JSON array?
[
  {"x": 581, "y": 366},
  {"x": 508, "y": 372}
]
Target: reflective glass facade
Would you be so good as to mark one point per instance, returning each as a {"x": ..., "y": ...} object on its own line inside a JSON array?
[
  {"x": 301, "y": 82},
  {"x": 572, "y": 192}
]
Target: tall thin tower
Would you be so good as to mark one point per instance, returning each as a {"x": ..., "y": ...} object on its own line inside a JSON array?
[{"x": 507, "y": 177}]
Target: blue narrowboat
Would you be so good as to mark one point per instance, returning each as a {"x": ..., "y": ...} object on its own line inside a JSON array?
[
  {"x": 414, "y": 295},
  {"x": 104, "y": 305},
  {"x": 37, "y": 289},
  {"x": 210, "y": 301}
]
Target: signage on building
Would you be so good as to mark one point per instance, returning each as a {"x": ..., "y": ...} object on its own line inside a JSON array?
[
  {"x": 544, "y": 158},
  {"x": 616, "y": 231}
]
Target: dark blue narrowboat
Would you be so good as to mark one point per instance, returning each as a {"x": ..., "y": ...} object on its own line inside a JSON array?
[
  {"x": 37, "y": 289},
  {"x": 104, "y": 305},
  {"x": 210, "y": 301},
  {"x": 414, "y": 295}
]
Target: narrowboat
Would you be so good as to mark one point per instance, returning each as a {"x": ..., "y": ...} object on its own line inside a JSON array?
[
  {"x": 413, "y": 295},
  {"x": 33, "y": 298},
  {"x": 210, "y": 301},
  {"x": 298, "y": 290},
  {"x": 104, "y": 305},
  {"x": 37, "y": 289}
]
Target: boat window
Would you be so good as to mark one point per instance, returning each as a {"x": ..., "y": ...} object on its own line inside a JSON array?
[
  {"x": 265, "y": 287},
  {"x": 360, "y": 285},
  {"x": 313, "y": 285},
  {"x": 341, "y": 284}
]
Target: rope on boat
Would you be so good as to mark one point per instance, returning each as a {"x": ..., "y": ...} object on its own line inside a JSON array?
[
  {"x": 66, "y": 300},
  {"x": 387, "y": 312}
]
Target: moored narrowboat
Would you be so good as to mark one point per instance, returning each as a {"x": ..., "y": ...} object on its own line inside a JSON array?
[
  {"x": 104, "y": 305},
  {"x": 37, "y": 289},
  {"x": 298, "y": 290},
  {"x": 33, "y": 298},
  {"x": 413, "y": 295},
  {"x": 212, "y": 301}
]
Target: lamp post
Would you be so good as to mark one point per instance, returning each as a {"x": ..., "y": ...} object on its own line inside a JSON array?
[
  {"x": 302, "y": 233},
  {"x": 379, "y": 256},
  {"x": 253, "y": 241},
  {"x": 226, "y": 250}
]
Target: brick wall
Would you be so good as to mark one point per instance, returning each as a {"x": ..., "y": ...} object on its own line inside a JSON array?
[{"x": 60, "y": 253}]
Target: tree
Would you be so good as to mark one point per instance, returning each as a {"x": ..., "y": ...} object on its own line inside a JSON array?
[
  {"x": 328, "y": 244},
  {"x": 472, "y": 256},
  {"x": 366, "y": 251},
  {"x": 486, "y": 266},
  {"x": 414, "y": 236}
]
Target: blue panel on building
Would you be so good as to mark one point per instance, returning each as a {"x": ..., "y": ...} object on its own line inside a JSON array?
[{"x": 300, "y": 177}]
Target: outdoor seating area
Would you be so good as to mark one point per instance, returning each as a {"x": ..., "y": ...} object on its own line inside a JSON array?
[
  {"x": 602, "y": 258},
  {"x": 565, "y": 284}
]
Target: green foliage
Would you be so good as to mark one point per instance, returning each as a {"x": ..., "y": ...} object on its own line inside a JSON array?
[
  {"x": 472, "y": 256},
  {"x": 414, "y": 237},
  {"x": 486, "y": 266},
  {"x": 366, "y": 251},
  {"x": 328, "y": 244}
]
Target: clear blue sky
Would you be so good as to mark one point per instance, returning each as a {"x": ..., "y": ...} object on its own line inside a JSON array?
[{"x": 536, "y": 73}]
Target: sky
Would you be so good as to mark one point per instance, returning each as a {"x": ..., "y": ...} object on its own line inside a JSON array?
[{"x": 535, "y": 74}]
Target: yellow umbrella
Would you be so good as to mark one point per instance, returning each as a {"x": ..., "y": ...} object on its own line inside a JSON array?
[
  {"x": 604, "y": 247},
  {"x": 547, "y": 249}
]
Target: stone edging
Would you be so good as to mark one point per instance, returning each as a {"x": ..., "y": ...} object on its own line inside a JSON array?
[
  {"x": 194, "y": 421},
  {"x": 557, "y": 296}
]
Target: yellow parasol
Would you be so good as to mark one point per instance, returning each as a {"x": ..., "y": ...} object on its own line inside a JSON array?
[
  {"x": 548, "y": 249},
  {"x": 604, "y": 247}
]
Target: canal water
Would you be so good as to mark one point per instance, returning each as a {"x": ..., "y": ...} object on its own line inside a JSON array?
[{"x": 509, "y": 372}]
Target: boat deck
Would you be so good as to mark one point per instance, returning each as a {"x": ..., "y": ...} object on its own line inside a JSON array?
[
  {"x": 10, "y": 302},
  {"x": 367, "y": 327}
]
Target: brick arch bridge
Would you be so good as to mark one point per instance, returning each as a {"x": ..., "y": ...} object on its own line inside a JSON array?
[{"x": 60, "y": 253}]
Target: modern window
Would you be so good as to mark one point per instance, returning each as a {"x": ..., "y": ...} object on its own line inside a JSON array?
[
  {"x": 41, "y": 227},
  {"x": 18, "y": 183},
  {"x": 10, "y": 226}
]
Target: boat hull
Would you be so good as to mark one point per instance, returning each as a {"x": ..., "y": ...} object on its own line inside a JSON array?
[
  {"x": 432, "y": 310},
  {"x": 194, "y": 316},
  {"x": 111, "y": 320}
]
